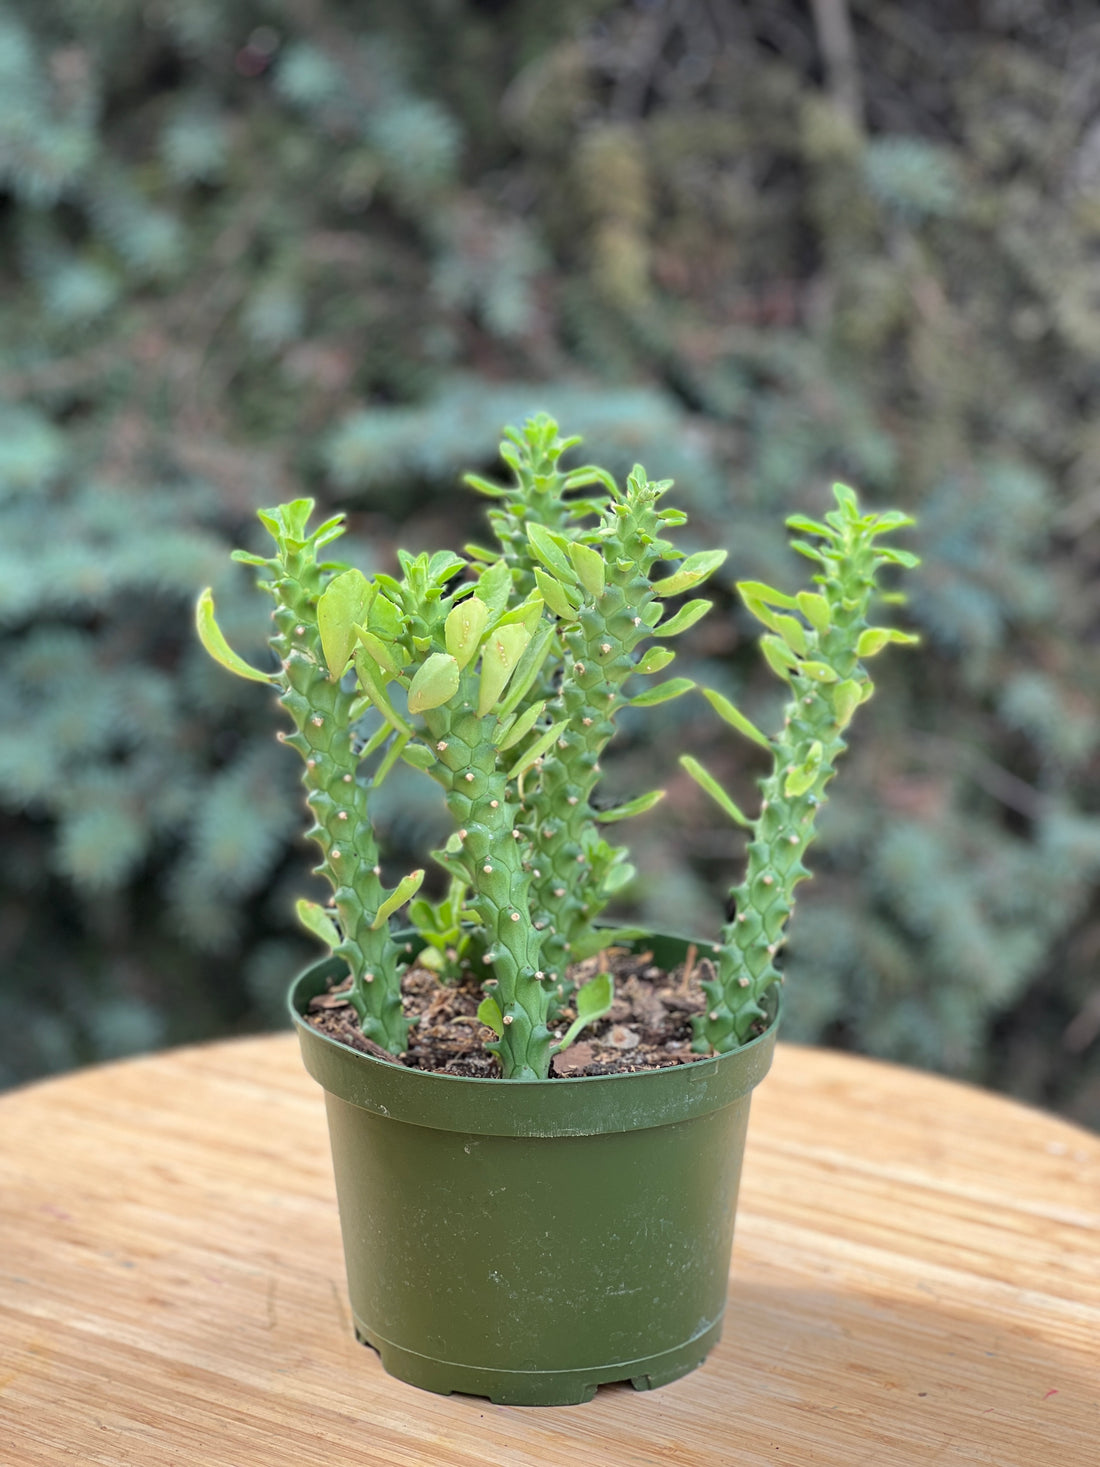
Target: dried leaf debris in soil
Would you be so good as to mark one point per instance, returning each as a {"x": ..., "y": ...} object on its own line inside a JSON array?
[{"x": 648, "y": 1027}]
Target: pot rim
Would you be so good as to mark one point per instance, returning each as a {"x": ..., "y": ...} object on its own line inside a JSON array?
[{"x": 489, "y": 1105}]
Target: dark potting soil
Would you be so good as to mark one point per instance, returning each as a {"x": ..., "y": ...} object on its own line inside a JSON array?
[{"x": 648, "y": 1028}]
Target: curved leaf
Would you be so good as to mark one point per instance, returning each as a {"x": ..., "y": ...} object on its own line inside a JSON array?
[{"x": 213, "y": 639}]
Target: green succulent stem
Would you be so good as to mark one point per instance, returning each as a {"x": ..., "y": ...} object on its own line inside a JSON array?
[
  {"x": 538, "y": 495},
  {"x": 337, "y": 792},
  {"x": 600, "y": 648},
  {"x": 821, "y": 663},
  {"x": 487, "y": 850}
]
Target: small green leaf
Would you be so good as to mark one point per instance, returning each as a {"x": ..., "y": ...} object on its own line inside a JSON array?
[
  {"x": 494, "y": 586},
  {"x": 779, "y": 656},
  {"x": 874, "y": 639},
  {"x": 686, "y": 617},
  {"x": 807, "y": 526},
  {"x": 527, "y": 614},
  {"x": 555, "y": 595},
  {"x": 528, "y": 668},
  {"x": 385, "y": 619},
  {"x": 815, "y": 609},
  {"x": 443, "y": 566},
  {"x": 463, "y": 629},
  {"x": 802, "y": 778},
  {"x": 589, "y": 566},
  {"x": 638, "y": 806},
  {"x": 654, "y": 659},
  {"x": 847, "y": 499},
  {"x": 483, "y": 486},
  {"x": 502, "y": 651},
  {"x": 537, "y": 749},
  {"x": 820, "y": 672},
  {"x": 418, "y": 755},
  {"x": 891, "y": 519},
  {"x": 695, "y": 569},
  {"x": 316, "y": 920},
  {"x": 593, "y": 1001},
  {"x": 898, "y": 557},
  {"x": 344, "y": 603},
  {"x": 488, "y": 1013},
  {"x": 391, "y": 657},
  {"x": 847, "y": 697},
  {"x": 735, "y": 718},
  {"x": 793, "y": 633},
  {"x": 620, "y": 875},
  {"x": 551, "y": 550},
  {"x": 707, "y": 781},
  {"x": 520, "y": 727},
  {"x": 406, "y": 888},
  {"x": 370, "y": 679},
  {"x": 435, "y": 682},
  {"x": 245, "y": 557},
  {"x": 760, "y": 591},
  {"x": 674, "y": 687},
  {"x": 213, "y": 639}
]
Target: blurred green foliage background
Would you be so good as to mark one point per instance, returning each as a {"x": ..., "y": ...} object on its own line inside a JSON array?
[{"x": 256, "y": 249}]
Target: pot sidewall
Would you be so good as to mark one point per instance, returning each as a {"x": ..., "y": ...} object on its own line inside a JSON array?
[{"x": 518, "y": 1239}]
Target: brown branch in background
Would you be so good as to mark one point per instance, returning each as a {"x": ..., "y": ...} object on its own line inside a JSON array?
[{"x": 838, "y": 49}]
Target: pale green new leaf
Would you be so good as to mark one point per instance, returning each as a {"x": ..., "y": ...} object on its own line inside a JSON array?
[
  {"x": 519, "y": 728},
  {"x": 463, "y": 629},
  {"x": 815, "y": 609},
  {"x": 555, "y": 595},
  {"x": 735, "y": 718},
  {"x": 637, "y": 806},
  {"x": 589, "y": 566},
  {"x": 343, "y": 605},
  {"x": 406, "y": 888},
  {"x": 549, "y": 549},
  {"x": 847, "y": 696},
  {"x": 213, "y": 639},
  {"x": 707, "y": 781},
  {"x": 675, "y": 687},
  {"x": 686, "y": 617},
  {"x": 537, "y": 749},
  {"x": 316, "y": 920},
  {"x": 695, "y": 569},
  {"x": 390, "y": 656},
  {"x": 418, "y": 755},
  {"x": 593, "y": 1001},
  {"x": 655, "y": 659},
  {"x": 502, "y": 651},
  {"x": 761, "y": 591},
  {"x": 874, "y": 639},
  {"x": 488, "y": 1013},
  {"x": 436, "y": 681}
]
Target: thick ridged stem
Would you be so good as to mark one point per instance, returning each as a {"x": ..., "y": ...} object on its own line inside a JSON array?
[
  {"x": 491, "y": 859},
  {"x": 600, "y": 657},
  {"x": 337, "y": 796},
  {"x": 745, "y": 959}
]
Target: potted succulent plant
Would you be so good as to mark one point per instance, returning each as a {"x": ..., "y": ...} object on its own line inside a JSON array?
[{"x": 529, "y": 1234}]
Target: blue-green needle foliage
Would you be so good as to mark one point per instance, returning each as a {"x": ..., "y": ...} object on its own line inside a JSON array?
[
  {"x": 815, "y": 643},
  {"x": 500, "y": 677}
]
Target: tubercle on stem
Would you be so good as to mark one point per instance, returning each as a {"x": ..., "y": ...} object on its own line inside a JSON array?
[{"x": 337, "y": 796}]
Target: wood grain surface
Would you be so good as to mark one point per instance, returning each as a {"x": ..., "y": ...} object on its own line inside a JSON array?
[{"x": 916, "y": 1279}]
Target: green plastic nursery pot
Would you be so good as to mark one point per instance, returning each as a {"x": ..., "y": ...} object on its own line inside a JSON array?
[{"x": 531, "y": 1240}]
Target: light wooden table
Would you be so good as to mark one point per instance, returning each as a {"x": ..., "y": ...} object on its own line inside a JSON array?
[{"x": 916, "y": 1279}]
